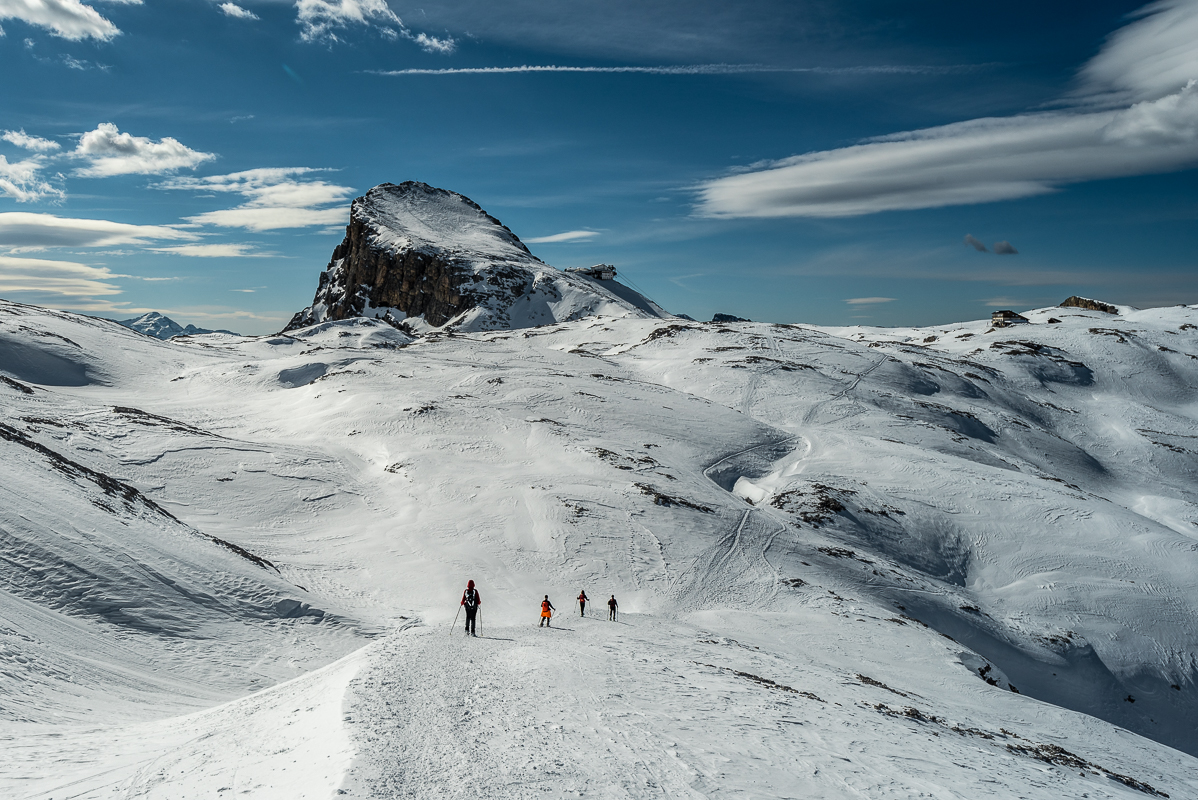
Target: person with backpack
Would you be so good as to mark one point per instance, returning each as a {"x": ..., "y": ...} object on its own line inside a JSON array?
[
  {"x": 547, "y": 610},
  {"x": 471, "y": 601},
  {"x": 612, "y": 605},
  {"x": 582, "y": 603}
]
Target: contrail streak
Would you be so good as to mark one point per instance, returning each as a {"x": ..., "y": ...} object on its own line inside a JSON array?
[{"x": 690, "y": 69}]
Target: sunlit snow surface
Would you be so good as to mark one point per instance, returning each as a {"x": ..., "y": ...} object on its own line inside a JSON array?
[{"x": 230, "y": 565}]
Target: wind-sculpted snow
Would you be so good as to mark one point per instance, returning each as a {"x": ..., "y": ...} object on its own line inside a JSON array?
[{"x": 850, "y": 562}]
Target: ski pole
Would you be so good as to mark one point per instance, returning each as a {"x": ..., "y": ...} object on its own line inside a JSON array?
[{"x": 455, "y": 619}]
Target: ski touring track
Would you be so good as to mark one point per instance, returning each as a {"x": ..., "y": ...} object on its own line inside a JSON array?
[{"x": 733, "y": 567}]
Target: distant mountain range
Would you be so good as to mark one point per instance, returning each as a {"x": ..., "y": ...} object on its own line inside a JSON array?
[{"x": 161, "y": 326}]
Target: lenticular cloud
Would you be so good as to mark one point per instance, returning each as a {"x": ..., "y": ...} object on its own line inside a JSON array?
[{"x": 1136, "y": 113}]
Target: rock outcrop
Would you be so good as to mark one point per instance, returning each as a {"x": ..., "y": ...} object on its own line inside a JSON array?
[
  {"x": 1088, "y": 304},
  {"x": 421, "y": 257}
]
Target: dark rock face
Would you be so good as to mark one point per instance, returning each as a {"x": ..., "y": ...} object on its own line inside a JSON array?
[
  {"x": 414, "y": 282},
  {"x": 728, "y": 318},
  {"x": 1088, "y": 304},
  {"x": 435, "y": 259},
  {"x": 367, "y": 272},
  {"x": 423, "y": 258}
]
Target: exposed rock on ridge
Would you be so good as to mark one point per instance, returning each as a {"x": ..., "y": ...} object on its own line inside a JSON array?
[
  {"x": 1088, "y": 304},
  {"x": 434, "y": 258}
]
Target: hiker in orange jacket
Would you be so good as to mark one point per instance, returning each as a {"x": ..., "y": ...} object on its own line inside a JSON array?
[
  {"x": 547, "y": 610},
  {"x": 582, "y": 603}
]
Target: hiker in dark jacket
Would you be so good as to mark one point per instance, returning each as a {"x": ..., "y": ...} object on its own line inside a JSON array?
[
  {"x": 612, "y": 605},
  {"x": 471, "y": 601}
]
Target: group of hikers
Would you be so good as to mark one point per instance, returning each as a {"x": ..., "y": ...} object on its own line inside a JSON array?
[{"x": 471, "y": 602}]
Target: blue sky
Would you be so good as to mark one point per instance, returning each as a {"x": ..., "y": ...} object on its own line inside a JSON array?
[{"x": 787, "y": 161}]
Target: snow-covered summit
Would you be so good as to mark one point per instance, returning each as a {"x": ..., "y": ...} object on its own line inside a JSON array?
[
  {"x": 433, "y": 258},
  {"x": 161, "y": 326},
  {"x": 416, "y": 216}
]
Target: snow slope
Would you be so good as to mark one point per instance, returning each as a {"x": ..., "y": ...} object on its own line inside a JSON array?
[{"x": 795, "y": 522}]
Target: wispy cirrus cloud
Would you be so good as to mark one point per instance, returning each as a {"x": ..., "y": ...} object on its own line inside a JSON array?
[
  {"x": 869, "y": 301},
  {"x": 275, "y": 198},
  {"x": 230, "y": 250},
  {"x": 1136, "y": 113},
  {"x": 27, "y": 230},
  {"x": 45, "y": 278},
  {"x": 68, "y": 19},
  {"x": 689, "y": 69},
  {"x": 110, "y": 152},
  {"x": 567, "y": 236}
]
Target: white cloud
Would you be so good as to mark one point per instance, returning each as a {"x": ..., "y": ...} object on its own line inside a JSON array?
[
  {"x": 211, "y": 250},
  {"x": 975, "y": 243},
  {"x": 684, "y": 69},
  {"x": 234, "y": 10},
  {"x": 868, "y": 301},
  {"x": 20, "y": 180},
  {"x": 54, "y": 278},
  {"x": 431, "y": 44},
  {"x": 1005, "y": 248},
  {"x": 1152, "y": 64},
  {"x": 21, "y": 229},
  {"x": 276, "y": 198},
  {"x": 568, "y": 236},
  {"x": 24, "y": 140},
  {"x": 69, "y": 19},
  {"x": 318, "y": 18},
  {"x": 1147, "y": 59},
  {"x": 111, "y": 152}
]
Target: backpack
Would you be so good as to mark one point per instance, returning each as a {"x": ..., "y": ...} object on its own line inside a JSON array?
[{"x": 471, "y": 599}]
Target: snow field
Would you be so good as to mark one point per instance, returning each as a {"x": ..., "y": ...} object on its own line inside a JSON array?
[
  {"x": 289, "y": 741},
  {"x": 790, "y": 503}
]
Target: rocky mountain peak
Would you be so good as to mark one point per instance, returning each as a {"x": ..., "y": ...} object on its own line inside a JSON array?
[{"x": 423, "y": 257}]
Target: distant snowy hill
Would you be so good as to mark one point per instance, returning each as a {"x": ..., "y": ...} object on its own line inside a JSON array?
[
  {"x": 163, "y": 327},
  {"x": 955, "y": 561},
  {"x": 433, "y": 259}
]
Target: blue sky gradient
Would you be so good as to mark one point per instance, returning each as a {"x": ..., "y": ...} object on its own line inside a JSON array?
[{"x": 124, "y": 121}]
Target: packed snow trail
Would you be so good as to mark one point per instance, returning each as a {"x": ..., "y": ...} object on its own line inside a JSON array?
[{"x": 652, "y": 708}]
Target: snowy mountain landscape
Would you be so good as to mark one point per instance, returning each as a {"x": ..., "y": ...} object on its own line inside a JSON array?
[
  {"x": 161, "y": 326},
  {"x": 949, "y": 561}
]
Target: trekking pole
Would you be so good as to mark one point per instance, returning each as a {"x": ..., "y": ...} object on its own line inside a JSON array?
[{"x": 455, "y": 619}]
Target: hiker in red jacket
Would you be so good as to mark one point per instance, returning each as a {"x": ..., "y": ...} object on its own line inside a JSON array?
[
  {"x": 582, "y": 603},
  {"x": 470, "y": 601},
  {"x": 612, "y": 605}
]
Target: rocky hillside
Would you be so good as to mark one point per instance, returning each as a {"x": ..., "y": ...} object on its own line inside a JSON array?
[{"x": 431, "y": 258}]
